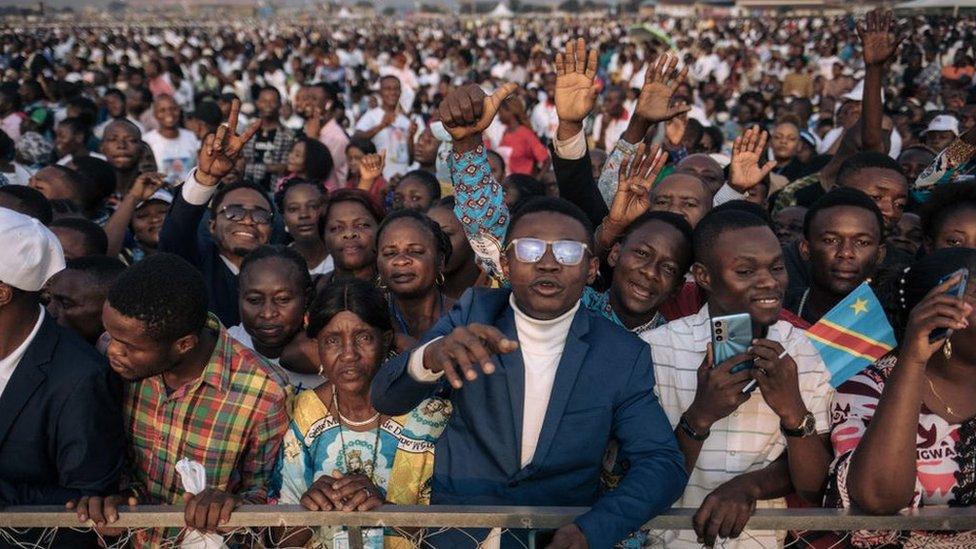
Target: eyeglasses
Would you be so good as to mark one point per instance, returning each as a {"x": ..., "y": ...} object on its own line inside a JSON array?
[
  {"x": 238, "y": 213},
  {"x": 531, "y": 250}
]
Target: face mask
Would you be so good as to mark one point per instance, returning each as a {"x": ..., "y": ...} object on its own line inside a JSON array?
[{"x": 440, "y": 132}]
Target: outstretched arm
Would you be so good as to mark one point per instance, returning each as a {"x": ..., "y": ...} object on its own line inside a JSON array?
[{"x": 880, "y": 41}]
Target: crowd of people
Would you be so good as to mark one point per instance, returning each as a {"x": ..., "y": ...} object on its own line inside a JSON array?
[{"x": 479, "y": 263}]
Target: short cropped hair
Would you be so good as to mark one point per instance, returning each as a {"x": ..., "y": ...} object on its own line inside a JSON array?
[
  {"x": 96, "y": 242},
  {"x": 718, "y": 222},
  {"x": 30, "y": 202},
  {"x": 864, "y": 161},
  {"x": 164, "y": 291},
  {"x": 554, "y": 205},
  {"x": 843, "y": 196}
]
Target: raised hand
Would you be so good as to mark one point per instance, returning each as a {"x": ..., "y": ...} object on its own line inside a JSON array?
[
  {"x": 674, "y": 128},
  {"x": 464, "y": 351},
  {"x": 220, "y": 150},
  {"x": 146, "y": 185},
  {"x": 719, "y": 391},
  {"x": 637, "y": 176},
  {"x": 371, "y": 166},
  {"x": 660, "y": 82},
  {"x": 744, "y": 170},
  {"x": 937, "y": 310},
  {"x": 879, "y": 37},
  {"x": 467, "y": 111},
  {"x": 575, "y": 88}
]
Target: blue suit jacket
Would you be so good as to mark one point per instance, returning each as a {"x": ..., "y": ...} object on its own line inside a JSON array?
[{"x": 603, "y": 389}]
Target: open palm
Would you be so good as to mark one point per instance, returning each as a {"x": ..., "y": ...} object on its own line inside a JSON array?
[
  {"x": 636, "y": 177},
  {"x": 660, "y": 82},
  {"x": 744, "y": 170},
  {"x": 575, "y": 90},
  {"x": 879, "y": 37}
]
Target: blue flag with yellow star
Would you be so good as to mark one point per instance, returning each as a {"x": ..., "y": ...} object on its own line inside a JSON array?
[{"x": 852, "y": 335}]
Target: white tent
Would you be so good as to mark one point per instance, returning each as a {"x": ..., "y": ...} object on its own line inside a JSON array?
[
  {"x": 936, "y": 4},
  {"x": 501, "y": 11}
]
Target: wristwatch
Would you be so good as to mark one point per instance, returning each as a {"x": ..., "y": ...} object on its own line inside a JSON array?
[
  {"x": 808, "y": 426},
  {"x": 685, "y": 426}
]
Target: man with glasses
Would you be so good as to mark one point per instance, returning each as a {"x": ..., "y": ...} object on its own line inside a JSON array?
[
  {"x": 539, "y": 384},
  {"x": 240, "y": 219}
]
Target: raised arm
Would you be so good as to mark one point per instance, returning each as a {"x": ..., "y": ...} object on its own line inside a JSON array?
[
  {"x": 654, "y": 105},
  {"x": 118, "y": 225},
  {"x": 217, "y": 157},
  {"x": 880, "y": 41},
  {"x": 575, "y": 96},
  {"x": 479, "y": 199}
]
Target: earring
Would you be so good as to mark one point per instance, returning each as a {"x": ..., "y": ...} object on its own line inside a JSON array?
[
  {"x": 379, "y": 284},
  {"x": 947, "y": 349},
  {"x": 439, "y": 280},
  {"x": 321, "y": 369}
]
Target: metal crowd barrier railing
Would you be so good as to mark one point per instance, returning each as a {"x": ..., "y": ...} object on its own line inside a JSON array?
[{"x": 438, "y": 516}]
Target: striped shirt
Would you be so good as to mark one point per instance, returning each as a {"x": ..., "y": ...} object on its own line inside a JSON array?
[
  {"x": 747, "y": 440},
  {"x": 231, "y": 420}
]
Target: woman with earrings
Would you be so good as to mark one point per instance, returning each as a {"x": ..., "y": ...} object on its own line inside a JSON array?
[
  {"x": 339, "y": 453},
  {"x": 904, "y": 429},
  {"x": 412, "y": 252}
]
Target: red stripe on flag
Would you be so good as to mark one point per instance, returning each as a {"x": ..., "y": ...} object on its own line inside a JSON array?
[{"x": 848, "y": 340}]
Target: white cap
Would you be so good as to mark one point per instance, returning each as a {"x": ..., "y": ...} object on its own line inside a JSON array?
[
  {"x": 857, "y": 94},
  {"x": 162, "y": 195},
  {"x": 943, "y": 123},
  {"x": 31, "y": 253}
]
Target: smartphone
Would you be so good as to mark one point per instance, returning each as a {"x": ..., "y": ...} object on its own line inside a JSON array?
[
  {"x": 732, "y": 335},
  {"x": 957, "y": 290}
]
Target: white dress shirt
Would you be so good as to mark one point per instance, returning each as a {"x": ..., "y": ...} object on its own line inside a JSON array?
[
  {"x": 9, "y": 363},
  {"x": 747, "y": 440}
]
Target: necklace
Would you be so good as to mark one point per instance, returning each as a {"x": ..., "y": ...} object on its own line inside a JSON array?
[
  {"x": 940, "y": 399},
  {"x": 345, "y": 453},
  {"x": 347, "y": 421}
]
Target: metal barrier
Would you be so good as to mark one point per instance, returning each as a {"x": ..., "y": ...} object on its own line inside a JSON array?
[{"x": 259, "y": 516}]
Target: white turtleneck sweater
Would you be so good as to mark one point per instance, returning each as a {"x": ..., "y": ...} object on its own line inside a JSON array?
[{"x": 541, "y": 343}]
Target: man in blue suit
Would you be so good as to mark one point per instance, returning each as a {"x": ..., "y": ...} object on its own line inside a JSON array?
[{"x": 539, "y": 384}]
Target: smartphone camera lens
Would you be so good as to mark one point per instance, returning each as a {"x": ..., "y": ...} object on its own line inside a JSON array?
[
  {"x": 719, "y": 338},
  {"x": 718, "y": 331}
]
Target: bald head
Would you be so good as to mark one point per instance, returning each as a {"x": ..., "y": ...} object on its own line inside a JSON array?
[{"x": 705, "y": 168}]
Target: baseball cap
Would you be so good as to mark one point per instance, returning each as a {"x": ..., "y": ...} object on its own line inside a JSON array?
[
  {"x": 162, "y": 195},
  {"x": 31, "y": 255},
  {"x": 943, "y": 123}
]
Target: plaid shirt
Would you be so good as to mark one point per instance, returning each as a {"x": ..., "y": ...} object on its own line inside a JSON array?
[
  {"x": 256, "y": 162},
  {"x": 231, "y": 420}
]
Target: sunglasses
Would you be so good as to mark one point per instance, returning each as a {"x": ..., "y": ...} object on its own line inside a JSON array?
[
  {"x": 238, "y": 213},
  {"x": 531, "y": 250}
]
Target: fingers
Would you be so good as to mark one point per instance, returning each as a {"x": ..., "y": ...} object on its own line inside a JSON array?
[
  {"x": 230, "y": 504},
  {"x": 233, "y": 115},
  {"x": 357, "y": 499},
  {"x": 218, "y": 141},
  {"x": 581, "y": 55},
  {"x": 315, "y": 500},
  {"x": 371, "y": 503},
  {"x": 560, "y": 64},
  {"x": 496, "y": 340},
  {"x": 623, "y": 173},
  {"x": 591, "y": 64},
  {"x": 245, "y": 137},
  {"x": 700, "y": 521},
  {"x": 501, "y": 94},
  {"x": 727, "y": 365}
]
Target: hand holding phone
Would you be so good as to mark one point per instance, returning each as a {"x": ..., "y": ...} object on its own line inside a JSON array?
[
  {"x": 957, "y": 290},
  {"x": 732, "y": 335}
]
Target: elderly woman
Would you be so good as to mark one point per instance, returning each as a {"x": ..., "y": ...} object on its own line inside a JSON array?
[{"x": 339, "y": 453}]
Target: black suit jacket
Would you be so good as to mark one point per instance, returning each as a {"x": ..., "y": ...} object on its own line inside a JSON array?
[
  {"x": 576, "y": 184},
  {"x": 61, "y": 433}
]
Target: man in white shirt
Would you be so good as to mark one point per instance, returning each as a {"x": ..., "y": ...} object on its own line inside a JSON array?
[
  {"x": 744, "y": 449},
  {"x": 388, "y": 128},
  {"x": 544, "y": 118},
  {"x": 174, "y": 148}
]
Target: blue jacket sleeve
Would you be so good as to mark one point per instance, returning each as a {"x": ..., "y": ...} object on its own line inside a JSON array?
[
  {"x": 394, "y": 391},
  {"x": 179, "y": 233},
  {"x": 656, "y": 478}
]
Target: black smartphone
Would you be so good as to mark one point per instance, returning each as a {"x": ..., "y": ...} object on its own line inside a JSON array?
[{"x": 957, "y": 290}]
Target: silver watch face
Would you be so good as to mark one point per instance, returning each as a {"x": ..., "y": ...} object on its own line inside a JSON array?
[{"x": 809, "y": 425}]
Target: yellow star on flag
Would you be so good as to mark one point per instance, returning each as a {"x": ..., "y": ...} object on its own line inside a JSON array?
[{"x": 860, "y": 305}]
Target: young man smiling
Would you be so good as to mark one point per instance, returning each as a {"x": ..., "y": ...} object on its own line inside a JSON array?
[
  {"x": 842, "y": 240},
  {"x": 743, "y": 449},
  {"x": 240, "y": 220},
  {"x": 534, "y": 402}
]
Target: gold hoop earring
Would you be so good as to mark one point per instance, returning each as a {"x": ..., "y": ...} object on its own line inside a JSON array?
[{"x": 947, "y": 349}]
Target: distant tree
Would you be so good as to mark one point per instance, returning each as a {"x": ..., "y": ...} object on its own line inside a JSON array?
[
  {"x": 431, "y": 8},
  {"x": 515, "y": 6},
  {"x": 569, "y": 6}
]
